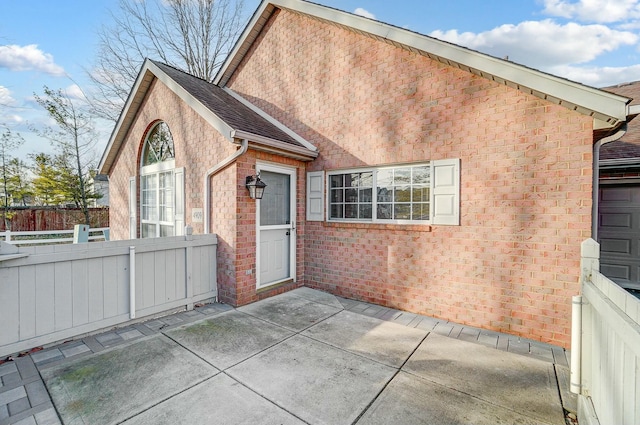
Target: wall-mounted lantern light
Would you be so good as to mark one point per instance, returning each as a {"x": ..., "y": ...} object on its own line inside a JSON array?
[{"x": 255, "y": 186}]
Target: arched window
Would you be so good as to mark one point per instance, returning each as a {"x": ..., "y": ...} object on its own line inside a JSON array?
[{"x": 161, "y": 186}]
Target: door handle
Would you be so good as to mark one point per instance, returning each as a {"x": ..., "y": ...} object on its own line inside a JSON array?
[{"x": 287, "y": 233}]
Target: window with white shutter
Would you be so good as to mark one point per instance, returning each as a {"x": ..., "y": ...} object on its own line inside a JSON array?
[{"x": 424, "y": 193}]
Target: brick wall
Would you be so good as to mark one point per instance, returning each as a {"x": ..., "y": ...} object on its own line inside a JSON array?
[
  {"x": 513, "y": 263},
  {"x": 198, "y": 147}
]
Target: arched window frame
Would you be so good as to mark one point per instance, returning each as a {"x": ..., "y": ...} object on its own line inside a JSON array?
[{"x": 161, "y": 186}]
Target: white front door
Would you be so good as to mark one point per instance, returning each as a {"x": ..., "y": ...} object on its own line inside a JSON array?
[{"x": 276, "y": 240}]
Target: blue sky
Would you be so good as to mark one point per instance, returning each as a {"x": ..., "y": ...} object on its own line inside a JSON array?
[{"x": 595, "y": 42}]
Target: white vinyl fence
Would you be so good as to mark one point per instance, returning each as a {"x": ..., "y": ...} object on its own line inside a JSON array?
[
  {"x": 48, "y": 237},
  {"x": 610, "y": 360},
  {"x": 56, "y": 292}
]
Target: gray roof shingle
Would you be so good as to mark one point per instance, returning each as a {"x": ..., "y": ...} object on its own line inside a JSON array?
[
  {"x": 225, "y": 106},
  {"x": 629, "y": 145}
]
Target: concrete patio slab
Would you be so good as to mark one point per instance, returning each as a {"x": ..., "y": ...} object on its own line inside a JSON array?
[
  {"x": 290, "y": 311},
  {"x": 378, "y": 340},
  {"x": 109, "y": 387},
  {"x": 316, "y": 382},
  {"x": 219, "y": 400},
  {"x": 295, "y": 358},
  {"x": 409, "y": 399},
  {"x": 317, "y": 296},
  {"x": 229, "y": 338},
  {"x": 518, "y": 383}
]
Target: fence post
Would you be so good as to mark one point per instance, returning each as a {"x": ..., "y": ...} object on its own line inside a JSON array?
[
  {"x": 581, "y": 356},
  {"x": 80, "y": 233},
  {"x": 8, "y": 236},
  {"x": 132, "y": 282},
  {"x": 188, "y": 252},
  {"x": 589, "y": 258}
]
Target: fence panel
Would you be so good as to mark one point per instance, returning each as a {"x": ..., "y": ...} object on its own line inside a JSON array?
[
  {"x": 610, "y": 349},
  {"x": 58, "y": 292}
]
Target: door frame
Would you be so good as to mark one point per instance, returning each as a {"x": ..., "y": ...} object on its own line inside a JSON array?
[{"x": 292, "y": 173}]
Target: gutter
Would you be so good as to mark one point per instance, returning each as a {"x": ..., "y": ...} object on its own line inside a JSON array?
[
  {"x": 244, "y": 146},
  {"x": 596, "y": 176}
]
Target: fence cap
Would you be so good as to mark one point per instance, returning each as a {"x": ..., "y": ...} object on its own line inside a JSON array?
[
  {"x": 7, "y": 248},
  {"x": 590, "y": 249}
]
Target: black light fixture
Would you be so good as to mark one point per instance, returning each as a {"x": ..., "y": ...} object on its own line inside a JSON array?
[{"x": 255, "y": 186}]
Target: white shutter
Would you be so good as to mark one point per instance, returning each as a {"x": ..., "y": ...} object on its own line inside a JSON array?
[
  {"x": 315, "y": 196},
  {"x": 178, "y": 187},
  {"x": 133, "y": 206},
  {"x": 445, "y": 194}
]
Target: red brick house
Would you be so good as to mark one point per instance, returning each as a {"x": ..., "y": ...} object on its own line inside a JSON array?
[{"x": 400, "y": 170}]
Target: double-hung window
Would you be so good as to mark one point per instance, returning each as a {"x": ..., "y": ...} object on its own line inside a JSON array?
[{"x": 424, "y": 193}]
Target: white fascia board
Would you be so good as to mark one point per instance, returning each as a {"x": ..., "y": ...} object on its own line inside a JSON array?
[
  {"x": 253, "y": 26},
  {"x": 277, "y": 144},
  {"x": 591, "y": 98},
  {"x": 272, "y": 120},
  {"x": 206, "y": 113},
  {"x": 138, "y": 92},
  {"x": 605, "y": 107}
]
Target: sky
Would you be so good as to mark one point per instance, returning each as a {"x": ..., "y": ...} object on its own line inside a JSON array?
[{"x": 594, "y": 42}]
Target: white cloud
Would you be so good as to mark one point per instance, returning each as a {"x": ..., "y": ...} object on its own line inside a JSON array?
[
  {"x": 543, "y": 44},
  {"x": 363, "y": 12},
  {"x": 28, "y": 58},
  {"x": 75, "y": 92},
  {"x": 598, "y": 76},
  {"x": 5, "y": 97},
  {"x": 603, "y": 11},
  {"x": 12, "y": 119}
]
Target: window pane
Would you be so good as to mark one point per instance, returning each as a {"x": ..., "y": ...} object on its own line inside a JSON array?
[
  {"x": 336, "y": 181},
  {"x": 385, "y": 194},
  {"x": 385, "y": 211},
  {"x": 420, "y": 211},
  {"x": 336, "y": 211},
  {"x": 402, "y": 176},
  {"x": 159, "y": 145},
  {"x": 351, "y": 211},
  {"x": 421, "y": 175},
  {"x": 351, "y": 195},
  {"x": 420, "y": 194},
  {"x": 275, "y": 206},
  {"x": 365, "y": 211},
  {"x": 365, "y": 195},
  {"x": 337, "y": 195},
  {"x": 384, "y": 177},
  {"x": 148, "y": 230},
  {"x": 166, "y": 230},
  {"x": 351, "y": 180},
  {"x": 402, "y": 194},
  {"x": 402, "y": 212}
]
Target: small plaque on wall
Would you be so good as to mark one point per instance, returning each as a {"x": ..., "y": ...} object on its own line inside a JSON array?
[{"x": 197, "y": 215}]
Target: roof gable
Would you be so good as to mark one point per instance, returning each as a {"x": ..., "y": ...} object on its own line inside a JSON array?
[
  {"x": 607, "y": 109},
  {"x": 226, "y": 111}
]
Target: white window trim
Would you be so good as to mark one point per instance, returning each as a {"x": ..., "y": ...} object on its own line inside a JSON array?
[{"x": 453, "y": 194}]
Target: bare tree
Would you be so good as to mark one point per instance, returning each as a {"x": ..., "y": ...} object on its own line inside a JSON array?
[
  {"x": 74, "y": 139},
  {"x": 193, "y": 35},
  {"x": 9, "y": 142}
]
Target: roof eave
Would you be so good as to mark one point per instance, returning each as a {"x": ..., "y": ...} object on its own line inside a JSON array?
[
  {"x": 137, "y": 94},
  {"x": 267, "y": 144},
  {"x": 607, "y": 109}
]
